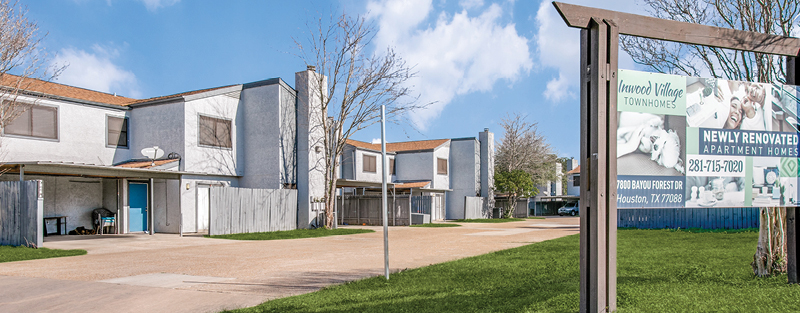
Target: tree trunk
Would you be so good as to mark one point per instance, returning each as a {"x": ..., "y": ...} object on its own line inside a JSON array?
[
  {"x": 512, "y": 204},
  {"x": 770, "y": 257},
  {"x": 330, "y": 202}
]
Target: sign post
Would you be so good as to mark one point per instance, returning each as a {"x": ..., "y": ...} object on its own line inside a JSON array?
[{"x": 600, "y": 30}]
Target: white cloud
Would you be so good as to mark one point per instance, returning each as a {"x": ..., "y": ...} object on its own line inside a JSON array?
[
  {"x": 558, "y": 47},
  {"x": 95, "y": 70},
  {"x": 154, "y": 5},
  {"x": 470, "y": 4},
  {"x": 457, "y": 55}
]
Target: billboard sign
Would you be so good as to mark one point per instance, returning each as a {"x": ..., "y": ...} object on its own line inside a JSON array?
[{"x": 700, "y": 142}]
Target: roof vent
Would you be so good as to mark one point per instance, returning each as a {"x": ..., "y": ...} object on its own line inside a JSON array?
[
  {"x": 486, "y": 129},
  {"x": 311, "y": 68}
]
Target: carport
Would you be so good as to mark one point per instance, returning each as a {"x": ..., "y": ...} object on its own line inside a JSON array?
[{"x": 145, "y": 200}]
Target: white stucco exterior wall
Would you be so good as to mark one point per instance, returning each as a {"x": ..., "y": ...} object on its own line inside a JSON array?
[
  {"x": 310, "y": 154},
  {"x": 81, "y": 136},
  {"x": 361, "y": 175},
  {"x": 441, "y": 181},
  {"x": 205, "y": 159}
]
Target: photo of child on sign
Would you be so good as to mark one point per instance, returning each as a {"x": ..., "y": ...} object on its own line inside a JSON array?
[
  {"x": 650, "y": 144},
  {"x": 728, "y": 104}
]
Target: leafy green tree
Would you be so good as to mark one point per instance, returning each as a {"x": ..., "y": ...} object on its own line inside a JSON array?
[{"x": 517, "y": 184}]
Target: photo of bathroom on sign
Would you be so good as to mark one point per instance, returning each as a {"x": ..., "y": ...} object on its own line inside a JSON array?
[{"x": 714, "y": 191}]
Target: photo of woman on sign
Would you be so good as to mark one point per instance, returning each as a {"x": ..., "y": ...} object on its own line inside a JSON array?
[{"x": 716, "y": 103}]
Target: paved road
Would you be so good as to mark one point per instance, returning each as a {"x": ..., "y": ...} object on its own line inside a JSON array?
[{"x": 167, "y": 273}]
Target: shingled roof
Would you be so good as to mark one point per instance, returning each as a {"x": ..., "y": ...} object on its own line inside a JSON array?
[
  {"x": 66, "y": 91},
  {"x": 61, "y": 90},
  {"x": 400, "y": 146}
]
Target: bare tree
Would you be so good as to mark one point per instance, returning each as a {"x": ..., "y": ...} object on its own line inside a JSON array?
[
  {"x": 523, "y": 148},
  {"x": 776, "y": 17},
  {"x": 352, "y": 84},
  {"x": 23, "y": 63}
]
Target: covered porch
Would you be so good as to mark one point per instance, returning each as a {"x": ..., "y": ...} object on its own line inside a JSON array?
[
  {"x": 359, "y": 203},
  {"x": 140, "y": 200}
]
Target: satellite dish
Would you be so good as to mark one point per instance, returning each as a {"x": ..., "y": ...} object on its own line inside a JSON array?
[{"x": 153, "y": 153}]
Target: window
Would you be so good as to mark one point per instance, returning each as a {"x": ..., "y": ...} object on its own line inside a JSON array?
[
  {"x": 37, "y": 121},
  {"x": 576, "y": 181},
  {"x": 391, "y": 166},
  {"x": 441, "y": 166},
  {"x": 369, "y": 163},
  {"x": 215, "y": 132},
  {"x": 117, "y": 132}
]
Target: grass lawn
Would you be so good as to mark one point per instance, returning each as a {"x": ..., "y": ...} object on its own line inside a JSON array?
[
  {"x": 11, "y": 254},
  {"x": 489, "y": 220},
  {"x": 293, "y": 234},
  {"x": 658, "y": 271},
  {"x": 436, "y": 225}
]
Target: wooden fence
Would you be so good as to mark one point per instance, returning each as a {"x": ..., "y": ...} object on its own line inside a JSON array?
[
  {"x": 520, "y": 210},
  {"x": 707, "y": 218},
  {"x": 366, "y": 209},
  {"x": 244, "y": 210},
  {"x": 20, "y": 214},
  {"x": 474, "y": 208}
]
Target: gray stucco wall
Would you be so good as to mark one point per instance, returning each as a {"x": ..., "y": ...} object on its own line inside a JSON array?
[
  {"x": 347, "y": 163},
  {"x": 81, "y": 137},
  {"x": 411, "y": 166},
  {"x": 464, "y": 177},
  {"x": 261, "y": 137},
  {"x": 288, "y": 134},
  {"x": 158, "y": 125}
]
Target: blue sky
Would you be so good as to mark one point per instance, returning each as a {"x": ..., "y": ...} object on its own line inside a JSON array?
[{"x": 477, "y": 59}]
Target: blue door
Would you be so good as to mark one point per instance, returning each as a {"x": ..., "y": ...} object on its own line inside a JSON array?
[{"x": 137, "y": 213}]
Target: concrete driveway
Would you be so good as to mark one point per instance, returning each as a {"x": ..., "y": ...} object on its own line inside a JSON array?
[{"x": 167, "y": 273}]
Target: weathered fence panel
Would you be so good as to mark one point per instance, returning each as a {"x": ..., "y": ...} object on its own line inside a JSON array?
[
  {"x": 474, "y": 208},
  {"x": 520, "y": 209},
  {"x": 707, "y": 218},
  {"x": 245, "y": 210},
  {"x": 366, "y": 210},
  {"x": 20, "y": 214}
]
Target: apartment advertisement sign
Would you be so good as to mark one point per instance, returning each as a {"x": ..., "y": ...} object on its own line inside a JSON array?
[{"x": 699, "y": 142}]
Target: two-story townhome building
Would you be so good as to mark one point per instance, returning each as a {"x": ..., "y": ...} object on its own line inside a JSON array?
[
  {"x": 86, "y": 148},
  {"x": 446, "y": 169}
]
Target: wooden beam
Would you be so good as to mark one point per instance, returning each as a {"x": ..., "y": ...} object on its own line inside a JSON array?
[
  {"x": 792, "y": 227},
  {"x": 598, "y": 239},
  {"x": 650, "y": 27}
]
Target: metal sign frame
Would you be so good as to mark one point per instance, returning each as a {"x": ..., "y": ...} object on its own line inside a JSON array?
[{"x": 600, "y": 30}]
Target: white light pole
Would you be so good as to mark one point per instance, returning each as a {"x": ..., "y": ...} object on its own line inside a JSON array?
[{"x": 383, "y": 194}]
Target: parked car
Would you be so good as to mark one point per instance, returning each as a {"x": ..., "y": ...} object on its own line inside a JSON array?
[{"x": 569, "y": 209}]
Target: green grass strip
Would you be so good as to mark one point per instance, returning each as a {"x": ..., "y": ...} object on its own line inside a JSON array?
[
  {"x": 658, "y": 271},
  {"x": 11, "y": 254},
  {"x": 535, "y": 218},
  {"x": 293, "y": 234},
  {"x": 489, "y": 220},
  {"x": 436, "y": 225}
]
